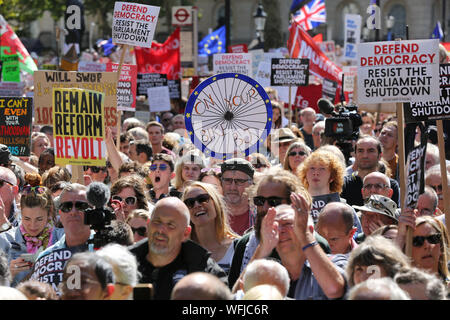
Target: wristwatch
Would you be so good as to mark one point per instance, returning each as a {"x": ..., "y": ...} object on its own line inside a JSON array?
[{"x": 5, "y": 227}]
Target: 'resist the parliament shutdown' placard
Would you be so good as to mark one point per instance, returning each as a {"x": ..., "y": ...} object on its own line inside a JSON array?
[{"x": 398, "y": 71}]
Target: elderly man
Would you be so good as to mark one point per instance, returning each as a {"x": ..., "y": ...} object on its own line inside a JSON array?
[
  {"x": 281, "y": 141},
  {"x": 9, "y": 216},
  {"x": 428, "y": 202},
  {"x": 308, "y": 118},
  {"x": 201, "y": 286},
  {"x": 237, "y": 175},
  {"x": 377, "y": 211},
  {"x": 168, "y": 254},
  {"x": 72, "y": 204}
]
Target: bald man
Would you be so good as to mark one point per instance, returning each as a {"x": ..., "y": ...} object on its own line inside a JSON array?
[
  {"x": 335, "y": 224},
  {"x": 8, "y": 191},
  {"x": 201, "y": 286},
  {"x": 376, "y": 183},
  {"x": 168, "y": 254}
]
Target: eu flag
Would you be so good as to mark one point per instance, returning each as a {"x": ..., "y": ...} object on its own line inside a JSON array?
[
  {"x": 437, "y": 32},
  {"x": 213, "y": 42}
]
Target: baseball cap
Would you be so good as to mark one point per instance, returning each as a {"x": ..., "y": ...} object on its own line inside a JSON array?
[
  {"x": 380, "y": 204},
  {"x": 238, "y": 164},
  {"x": 5, "y": 155}
]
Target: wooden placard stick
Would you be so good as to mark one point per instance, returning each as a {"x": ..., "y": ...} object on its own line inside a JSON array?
[
  {"x": 441, "y": 145},
  {"x": 290, "y": 108},
  {"x": 77, "y": 174},
  {"x": 119, "y": 112}
]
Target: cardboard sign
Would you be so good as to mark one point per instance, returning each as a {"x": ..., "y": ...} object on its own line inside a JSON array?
[
  {"x": 319, "y": 202},
  {"x": 79, "y": 127},
  {"x": 50, "y": 268},
  {"x": 233, "y": 63},
  {"x": 432, "y": 110},
  {"x": 415, "y": 175},
  {"x": 11, "y": 89},
  {"x": 398, "y": 71},
  {"x": 352, "y": 35},
  {"x": 329, "y": 89},
  {"x": 257, "y": 57},
  {"x": 289, "y": 72},
  {"x": 150, "y": 80},
  {"x": 134, "y": 24},
  {"x": 10, "y": 68},
  {"x": 15, "y": 124},
  {"x": 158, "y": 99},
  {"x": 44, "y": 81},
  {"x": 329, "y": 49}
]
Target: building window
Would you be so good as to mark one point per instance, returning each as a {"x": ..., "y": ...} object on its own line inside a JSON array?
[{"x": 398, "y": 11}]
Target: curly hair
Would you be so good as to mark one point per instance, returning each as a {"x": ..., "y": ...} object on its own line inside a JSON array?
[
  {"x": 33, "y": 179},
  {"x": 223, "y": 229},
  {"x": 55, "y": 174},
  {"x": 39, "y": 197},
  {"x": 136, "y": 183},
  {"x": 330, "y": 161}
]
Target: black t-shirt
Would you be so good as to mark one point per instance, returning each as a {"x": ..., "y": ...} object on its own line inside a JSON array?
[
  {"x": 351, "y": 190},
  {"x": 308, "y": 138}
]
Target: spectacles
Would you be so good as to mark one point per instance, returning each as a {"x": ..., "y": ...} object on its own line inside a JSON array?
[
  {"x": 238, "y": 182},
  {"x": 259, "y": 165},
  {"x": 162, "y": 167},
  {"x": 202, "y": 198},
  {"x": 142, "y": 231},
  {"x": 437, "y": 188},
  {"x": 432, "y": 239},
  {"x": 376, "y": 185},
  {"x": 273, "y": 201},
  {"x": 95, "y": 169},
  {"x": 300, "y": 153},
  {"x": 68, "y": 206},
  {"x": 2, "y": 183},
  {"x": 128, "y": 200},
  {"x": 37, "y": 189},
  {"x": 426, "y": 212}
]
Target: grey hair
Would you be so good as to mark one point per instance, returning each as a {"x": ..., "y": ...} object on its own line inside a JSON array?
[
  {"x": 123, "y": 261},
  {"x": 266, "y": 269},
  {"x": 373, "y": 288},
  {"x": 71, "y": 187},
  {"x": 434, "y": 288}
]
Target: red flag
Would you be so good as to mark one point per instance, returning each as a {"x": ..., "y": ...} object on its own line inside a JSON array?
[
  {"x": 318, "y": 38},
  {"x": 301, "y": 45},
  {"x": 161, "y": 57}
]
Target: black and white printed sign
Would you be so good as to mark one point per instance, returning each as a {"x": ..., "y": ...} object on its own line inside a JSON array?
[{"x": 289, "y": 72}]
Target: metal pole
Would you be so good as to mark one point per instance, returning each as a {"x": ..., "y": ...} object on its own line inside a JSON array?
[
  {"x": 377, "y": 31},
  {"x": 227, "y": 23},
  {"x": 444, "y": 22}
]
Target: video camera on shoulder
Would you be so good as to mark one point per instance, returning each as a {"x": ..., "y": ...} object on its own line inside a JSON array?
[{"x": 344, "y": 123}]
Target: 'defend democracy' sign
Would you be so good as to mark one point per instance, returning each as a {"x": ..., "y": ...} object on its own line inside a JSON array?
[{"x": 398, "y": 71}]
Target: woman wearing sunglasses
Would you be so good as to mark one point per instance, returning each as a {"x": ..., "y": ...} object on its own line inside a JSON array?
[
  {"x": 138, "y": 221},
  {"x": 127, "y": 194},
  {"x": 430, "y": 243},
  {"x": 209, "y": 222},
  {"x": 36, "y": 231},
  {"x": 295, "y": 155}
]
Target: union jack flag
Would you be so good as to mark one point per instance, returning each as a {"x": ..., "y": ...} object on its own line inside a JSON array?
[{"x": 311, "y": 15}]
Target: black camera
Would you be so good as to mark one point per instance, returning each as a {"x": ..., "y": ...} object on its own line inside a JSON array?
[
  {"x": 98, "y": 218},
  {"x": 344, "y": 123}
]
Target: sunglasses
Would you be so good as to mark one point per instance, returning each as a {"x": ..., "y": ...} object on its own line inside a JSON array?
[
  {"x": 142, "y": 231},
  {"x": 239, "y": 182},
  {"x": 2, "y": 183},
  {"x": 376, "y": 185},
  {"x": 37, "y": 189},
  {"x": 259, "y": 165},
  {"x": 432, "y": 239},
  {"x": 95, "y": 169},
  {"x": 202, "y": 198},
  {"x": 300, "y": 153},
  {"x": 273, "y": 201},
  {"x": 128, "y": 200},
  {"x": 162, "y": 167},
  {"x": 68, "y": 206}
]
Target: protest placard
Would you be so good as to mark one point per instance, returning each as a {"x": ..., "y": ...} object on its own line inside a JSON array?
[
  {"x": 134, "y": 24},
  {"x": 233, "y": 63},
  {"x": 11, "y": 89},
  {"x": 329, "y": 49},
  {"x": 79, "y": 127},
  {"x": 289, "y": 72},
  {"x": 352, "y": 35},
  {"x": 329, "y": 88},
  {"x": 158, "y": 99},
  {"x": 15, "y": 124},
  {"x": 319, "y": 202},
  {"x": 257, "y": 57},
  {"x": 432, "y": 110},
  {"x": 415, "y": 175},
  {"x": 228, "y": 115},
  {"x": 44, "y": 81},
  {"x": 10, "y": 68},
  {"x": 398, "y": 71},
  {"x": 174, "y": 89},
  {"x": 150, "y": 80}
]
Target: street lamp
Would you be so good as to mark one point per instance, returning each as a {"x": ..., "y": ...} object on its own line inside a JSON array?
[
  {"x": 260, "y": 17},
  {"x": 390, "y": 21}
]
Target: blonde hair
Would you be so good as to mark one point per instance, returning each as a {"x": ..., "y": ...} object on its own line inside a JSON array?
[
  {"x": 297, "y": 144},
  {"x": 330, "y": 161},
  {"x": 191, "y": 157}
]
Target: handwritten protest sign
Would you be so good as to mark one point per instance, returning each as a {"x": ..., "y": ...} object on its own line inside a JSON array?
[
  {"x": 79, "y": 127},
  {"x": 150, "y": 80},
  {"x": 289, "y": 72},
  {"x": 228, "y": 115},
  {"x": 432, "y": 110},
  {"x": 233, "y": 63},
  {"x": 398, "y": 71},
  {"x": 50, "y": 268},
  {"x": 10, "y": 68},
  {"x": 44, "y": 81},
  {"x": 15, "y": 124},
  {"x": 134, "y": 24}
]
